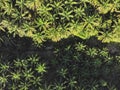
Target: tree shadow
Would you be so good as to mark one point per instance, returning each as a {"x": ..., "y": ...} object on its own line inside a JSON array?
[{"x": 63, "y": 54}]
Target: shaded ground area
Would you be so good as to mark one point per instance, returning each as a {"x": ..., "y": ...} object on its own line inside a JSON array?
[{"x": 72, "y": 62}]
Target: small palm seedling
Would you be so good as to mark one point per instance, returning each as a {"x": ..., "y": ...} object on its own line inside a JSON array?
[
  {"x": 42, "y": 24},
  {"x": 58, "y": 6},
  {"x": 79, "y": 12},
  {"x": 59, "y": 86},
  {"x": 21, "y": 4},
  {"x": 92, "y": 52},
  {"x": 20, "y": 63},
  {"x": 59, "y": 33},
  {"x": 4, "y": 67},
  {"x": 13, "y": 87},
  {"x": 16, "y": 76},
  {"x": 26, "y": 30},
  {"x": 87, "y": 27},
  {"x": 33, "y": 59},
  {"x": 33, "y": 4},
  {"x": 7, "y": 7},
  {"x": 103, "y": 83},
  {"x": 72, "y": 83},
  {"x": 44, "y": 11},
  {"x": 103, "y": 52},
  {"x": 46, "y": 87},
  {"x": 28, "y": 74},
  {"x": 62, "y": 72},
  {"x": 76, "y": 29},
  {"x": 66, "y": 15},
  {"x": 68, "y": 48},
  {"x": 106, "y": 36},
  {"x": 3, "y": 81},
  {"x": 41, "y": 68},
  {"x": 36, "y": 81},
  {"x": 16, "y": 17},
  {"x": 80, "y": 47},
  {"x": 24, "y": 85},
  {"x": 38, "y": 38}
]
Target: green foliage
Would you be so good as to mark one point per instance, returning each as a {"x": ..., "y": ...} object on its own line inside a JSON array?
[
  {"x": 55, "y": 20},
  {"x": 72, "y": 65},
  {"x": 41, "y": 68}
]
